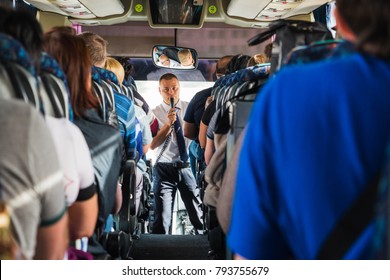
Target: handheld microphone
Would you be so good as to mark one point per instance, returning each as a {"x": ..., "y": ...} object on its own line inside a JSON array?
[{"x": 172, "y": 101}]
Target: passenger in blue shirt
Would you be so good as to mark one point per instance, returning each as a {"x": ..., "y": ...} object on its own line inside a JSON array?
[{"x": 316, "y": 138}]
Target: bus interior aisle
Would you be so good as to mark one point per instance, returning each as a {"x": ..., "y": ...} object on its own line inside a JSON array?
[
  {"x": 129, "y": 147},
  {"x": 170, "y": 247}
]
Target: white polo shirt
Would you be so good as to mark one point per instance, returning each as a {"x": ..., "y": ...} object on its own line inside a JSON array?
[{"x": 171, "y": 153}]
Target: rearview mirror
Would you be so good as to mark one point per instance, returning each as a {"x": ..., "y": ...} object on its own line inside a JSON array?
[{"x": 175, "y": 57}]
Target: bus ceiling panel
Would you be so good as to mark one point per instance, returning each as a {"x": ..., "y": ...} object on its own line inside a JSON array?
[
  {"x": 137, "y": 39},
  {"x": 81, "y": 9},
  {"x": 271, "y": 10},
  {"x": 132, "y": 10},
  {"x": 171, "y": 14},
  {"x": 104, "y": 8},
  {"x": 46, "y": 6}
]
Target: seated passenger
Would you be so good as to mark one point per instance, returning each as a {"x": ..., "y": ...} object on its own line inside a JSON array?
[
  {"x": 113, "y": 65},
  {"x": 79, "y": 177},
  {"x": 237, "y": 62},
  {"x": 72, "y": 150},
  {"x": 125, "y": 109},
  {"x": 138, "y": 99},
  {"x": 32, "y": 182},
  {"x": 22, "y": 25},
  {"x": 104, "y": 141},
  {"x": 315, "y": 143}
]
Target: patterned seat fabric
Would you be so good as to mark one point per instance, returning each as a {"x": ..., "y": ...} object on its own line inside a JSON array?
[
  {"x": 21, "y": 71},
  {"x": 50, "y": 65},
  {"x": 244, "y": 75},
  {"x": 12, "y": 51},
  {"x": 104, "y": 74},
  {"x": 228, "y": 86},
  {"x": 318, "y": 51}
]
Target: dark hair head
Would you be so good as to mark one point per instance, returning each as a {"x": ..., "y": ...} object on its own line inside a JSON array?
[
  {"x": 127, "y": 66},
  {"x": 72, "y": 55},
  {"x": 63, "y": 29},
  {"x": 222, "y": 63},
  {"x": 238, "y": 62},
  {"x": 268, "y": 51},
  {"x": 22, "y": 25},
  {"x": 4, "y": 11},
  {"x": 369, "y": 20}
]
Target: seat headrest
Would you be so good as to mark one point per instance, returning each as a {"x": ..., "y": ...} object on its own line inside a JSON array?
[
  {"x": 50, "y": 65},
  {"x": 104, "y": 74},
  {"x": 244, "y": 75},
  {"x": 12, "y": 50},
  {"x": 314, "y": 52}
]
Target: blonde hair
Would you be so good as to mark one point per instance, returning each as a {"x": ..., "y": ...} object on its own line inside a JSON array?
[
  {"x": 257, "y": 59},
  {"x": 185, "y": 57},
  {"x": 114, "y": 65},
  {"x": 8, "y": 247}
]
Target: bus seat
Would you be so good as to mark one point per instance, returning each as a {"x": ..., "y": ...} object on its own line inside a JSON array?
[
  {"x": 313, "y": 52},
  {"x": 24, "y": 83},
  {"x": 127, "y": 222},
  {"x": 288, "y": 35},
  {"x": 128, "y": 89},
  {"x": 20, "y": 70},
  {"x": 381, "y": 247},
  {"x": 127, "y": 217},
  {"x": 250, "y": 74},
  {"x": 109, "y": 91},
  {"x": 118, "y": 242},
  {"x": 116, "y": 87},
  {"x": 239, "y": 111},
  {"x": 49, "y": 107},
  {"x": 12, "y": 50},
  {"x": 232, "y": 113},
  {"x": 56, "y": 86},
  {"x": 234, "y": 95},
  {"x": 105, "y": 93},
  {"x": 109, "y": 77},
  {"x": 6, "y": 90},
  {"x": 98, "y": 91}
]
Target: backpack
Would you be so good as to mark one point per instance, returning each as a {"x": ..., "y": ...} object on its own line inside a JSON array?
[{"x": 288, "y": 35}]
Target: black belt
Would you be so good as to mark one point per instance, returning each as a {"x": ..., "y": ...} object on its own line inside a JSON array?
[{"x": 177, "y": 164}]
